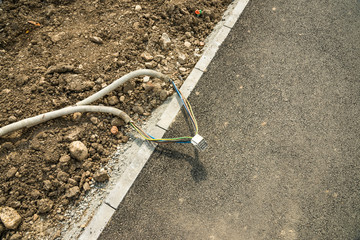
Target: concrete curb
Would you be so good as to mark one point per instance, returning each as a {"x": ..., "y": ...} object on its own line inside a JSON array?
[{"x": 108, "y": 207}]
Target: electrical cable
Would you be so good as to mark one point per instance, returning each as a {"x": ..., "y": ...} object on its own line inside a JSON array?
[{"x": 188, "y": 110}]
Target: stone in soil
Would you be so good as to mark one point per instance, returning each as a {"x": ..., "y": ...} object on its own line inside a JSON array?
[
  {"x": 117, "y": 122},
  {"x": 10, "y": 217},
  {"x": 86, "y": 186},
  {"x": 96, "y": 39},
  {"x": 101, "y": 176},
  {"x": 45, "y": 205},
  {"x": 11, "y": 172},
  {"x": 72, "y": 192},
  {"x": 165, "y": 41},
  {"x": 78, "y": 150}
]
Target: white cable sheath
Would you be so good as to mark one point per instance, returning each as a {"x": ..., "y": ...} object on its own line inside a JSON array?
[
  {"x": 32, "y": 121},
  {"x": 83, "y": 106}
]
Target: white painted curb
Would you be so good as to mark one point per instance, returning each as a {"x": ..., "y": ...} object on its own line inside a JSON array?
[{"x": 116, "y": 195}]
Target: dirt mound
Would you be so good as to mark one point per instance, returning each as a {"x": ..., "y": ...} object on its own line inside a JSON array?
[{"x": 54, "y": 53}]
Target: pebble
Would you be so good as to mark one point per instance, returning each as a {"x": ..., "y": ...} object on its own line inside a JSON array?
[
  {"x": 56, "y": 37},
  {"x": 165, "y": 41},
  {"x": 72, "y": 192},
  {"x": 11, "y": 172},
  {"x": 138, "y": 8},
  {"x": 181, "y": 58},
  {"x": 182, "y": 69},
  {"x": 45, "y": 205},
  {"x": 114, "y": 130},
  {"x": 117, "y": 122},
  {"x": 96, "y": 39},
  {"x": 94, "y": 120},
  {"x": 122, "y": 98},
  {"x": 138, "y": 109},
  {"x": 62, "y": 176},
  {"x": 113, "y": 100},
  {"x": 187, "y": 44},
  {"x": 61, "y": 68},
  {"x": 64, "y": 159},
  {"x": 47, "y": 185},
  {"x": 10, "y": 217},
  {"x": 151, "y": 64},
  {"x": 77, "y": 116},
  {"x": 12, "y": 118},
  {"x": 146, "y": 56},
  {"x": 86, "y": 186},
  {"x": 101, "y": 176},
  {"x": 163, "y": 95},
  {"x": 78, "y": 150},
  {"x": 146, "y": 79},
  {"x": 35, "y": 217},
  {"x": 77, "y": 83}
]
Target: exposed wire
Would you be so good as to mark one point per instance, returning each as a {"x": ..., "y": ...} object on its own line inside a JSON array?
[{"x": 189, "y": 111}]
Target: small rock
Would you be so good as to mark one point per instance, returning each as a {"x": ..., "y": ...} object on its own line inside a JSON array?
[
  {"x": 182, "y": 70},
  {"x": 151, "y": 64},
  {"x": 72, "y": 181},
  {"x": 113, "y": 100},
  {"x": 56, "y": 37},
  {"x": 72, "y": 192},
  {"x": 165, "y": 41},
  {"x": 114, "y": 130},
  {"x": 77, "y": 116},
  {"x": 35, "y": 194},
  {"x": 138, "y": 8},
  {"x": 61, "y": 68},
  {"x": 122, "y": 98},
  {"x": 163, "y": 95},
  {"x": 64, "y": 160},
  {"x": 138, "y": 109},
  {"x": 78, "y": 150},
  {"x": 147, "y": 56},
  {"x": 181, "y": 58},
  {"x": 35, "y": 217},
  {"x": 159, "y": 57},
  {"x": 125, "y": 139},
  {"x": 45, "y": 205},
  {"x": 94, "y": 120},
  {"x": 101, "y": 176},
  {"x": 86, "y": 187},
  {"x": 12, "y": 119},
  {"x": 188, "y": 34},
  {"x": 11, "y": 172},
  {"x": 146, "y": 79},
  {"x": 97, "y": 40},
  {"x": 187, "y": 44},
  {"x": 77, "y": 83},
  {"x": 117, "y": 122},
  {"x": 10, "y": 217},
  {"x": 47, "y": 185},
  {"x": 62, "y": 176}
]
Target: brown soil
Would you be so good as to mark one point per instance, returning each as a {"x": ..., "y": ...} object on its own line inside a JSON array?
[{"x": 40, "y": 181}]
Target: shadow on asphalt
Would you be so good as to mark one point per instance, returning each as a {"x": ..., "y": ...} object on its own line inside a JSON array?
[{"x": 198, "y": 171}]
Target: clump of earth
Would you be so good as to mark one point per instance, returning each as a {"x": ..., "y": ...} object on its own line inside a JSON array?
[{"x": 55, "y": 53}]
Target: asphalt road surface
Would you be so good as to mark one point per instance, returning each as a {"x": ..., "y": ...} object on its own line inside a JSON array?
[{"x": 279, "y": 108}]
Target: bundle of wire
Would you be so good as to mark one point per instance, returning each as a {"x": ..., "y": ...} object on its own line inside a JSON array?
[{"x": 185, "y": 139}]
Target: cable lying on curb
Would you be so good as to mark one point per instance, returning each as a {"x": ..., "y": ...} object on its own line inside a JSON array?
[{"x": 83, "y": 106}]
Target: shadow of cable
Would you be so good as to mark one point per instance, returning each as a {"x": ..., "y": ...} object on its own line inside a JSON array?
[{"x": 198, "y": 171}]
